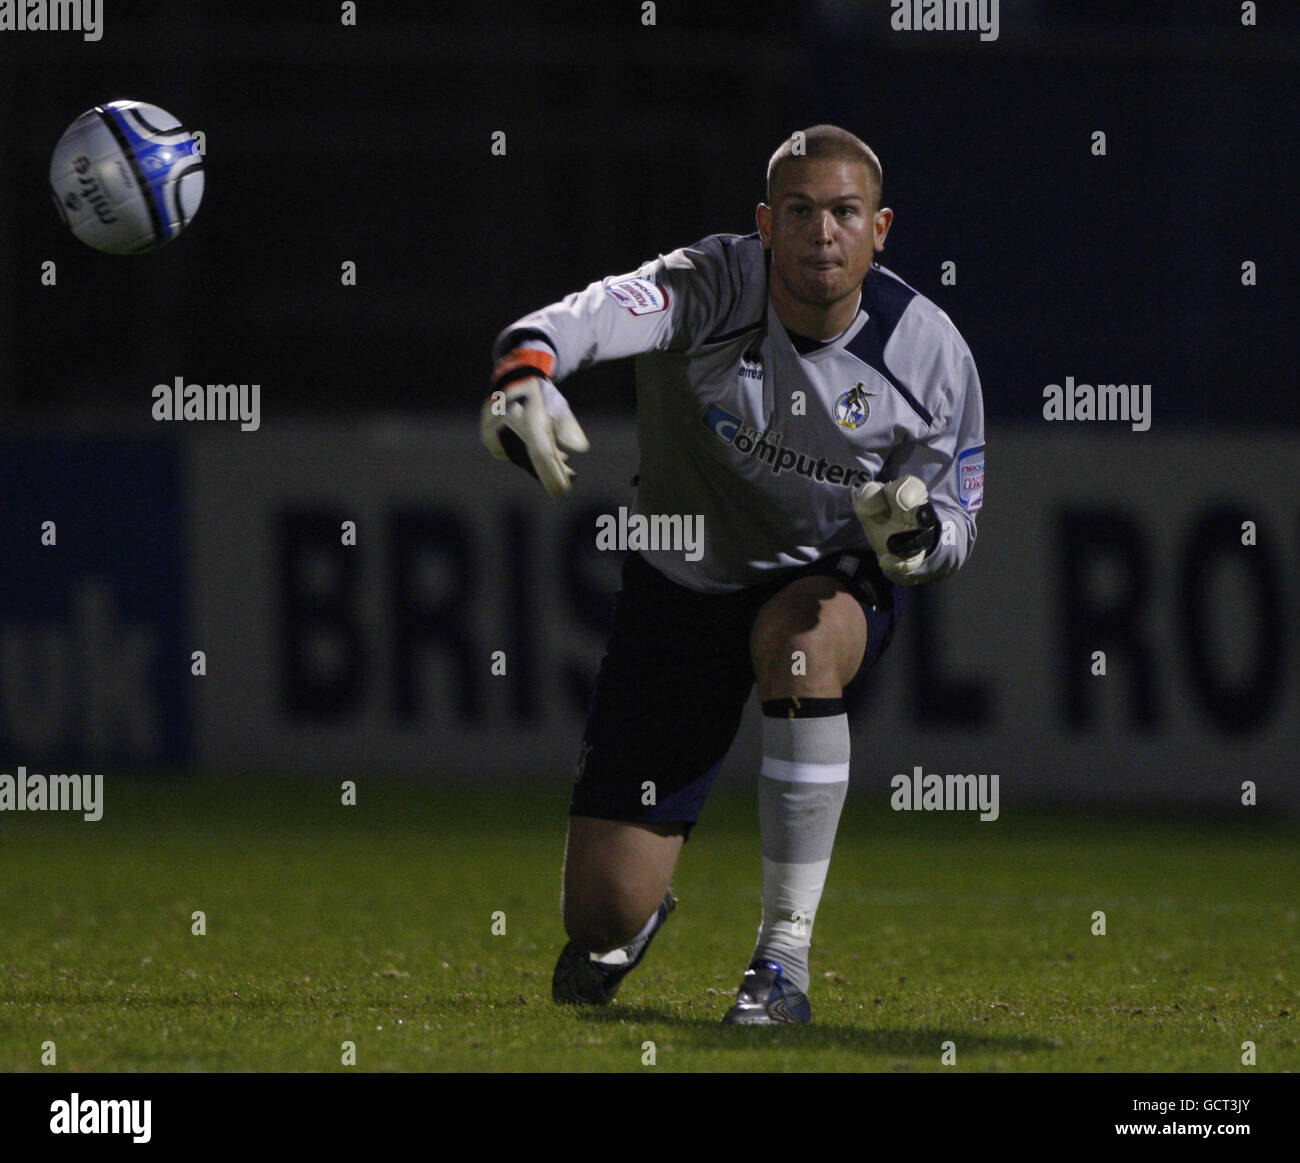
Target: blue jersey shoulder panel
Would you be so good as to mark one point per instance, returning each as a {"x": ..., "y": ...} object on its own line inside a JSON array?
[{"x": 884, "y": 298}]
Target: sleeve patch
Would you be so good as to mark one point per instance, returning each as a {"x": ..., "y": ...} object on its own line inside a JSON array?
[
  {"x": 640, "y": 296},
  {"x": 970, "y": 477}
]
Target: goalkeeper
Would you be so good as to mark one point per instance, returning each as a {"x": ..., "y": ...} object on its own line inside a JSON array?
[{"x": 825, "y": 421}]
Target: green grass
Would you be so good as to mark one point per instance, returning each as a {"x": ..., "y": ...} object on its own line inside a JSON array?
[{"x": 373, "y": 924}]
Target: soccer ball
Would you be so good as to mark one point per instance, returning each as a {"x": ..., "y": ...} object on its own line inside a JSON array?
[{"x": 127, "y": 177}]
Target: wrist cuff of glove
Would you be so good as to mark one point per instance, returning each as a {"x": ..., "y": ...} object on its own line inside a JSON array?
[{"x": 522, "y": 363}]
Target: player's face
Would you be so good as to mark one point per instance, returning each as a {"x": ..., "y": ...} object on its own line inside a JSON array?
[{"x": 824, "y": 231}]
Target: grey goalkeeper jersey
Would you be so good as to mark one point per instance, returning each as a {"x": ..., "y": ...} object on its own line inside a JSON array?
[{"x": 762, "y": 442}]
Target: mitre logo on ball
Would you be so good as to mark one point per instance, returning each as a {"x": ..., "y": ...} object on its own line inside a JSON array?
[{"x": 127, "y": 177}]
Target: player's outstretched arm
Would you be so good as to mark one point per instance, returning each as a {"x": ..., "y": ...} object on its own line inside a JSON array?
[{"x": 669, "y": 303}]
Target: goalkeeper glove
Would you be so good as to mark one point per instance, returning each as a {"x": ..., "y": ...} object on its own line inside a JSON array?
[
  {"x": 900, "y": 522},
  {"x": 529, "y": 422}
]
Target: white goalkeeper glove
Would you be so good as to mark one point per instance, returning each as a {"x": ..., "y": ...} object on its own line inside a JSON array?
[
  {"x": 900, "y": 522},
  {"x": 530, "y": 423}
]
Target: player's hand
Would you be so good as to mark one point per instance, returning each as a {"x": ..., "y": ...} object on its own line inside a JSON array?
[
  {"x": 900, "y": 522},
  {"x": 530, "y": 423}
]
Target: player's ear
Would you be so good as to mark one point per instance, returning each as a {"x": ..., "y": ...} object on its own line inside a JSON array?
[
  {"x": 883, "y": 220},
  {"x": 763, "y": 219}
]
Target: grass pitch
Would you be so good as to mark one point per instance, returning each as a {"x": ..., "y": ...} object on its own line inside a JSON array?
[{"x": 374, "y": 925}]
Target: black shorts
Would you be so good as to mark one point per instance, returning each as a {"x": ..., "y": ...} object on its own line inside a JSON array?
[{"x": 674, "y": 682}]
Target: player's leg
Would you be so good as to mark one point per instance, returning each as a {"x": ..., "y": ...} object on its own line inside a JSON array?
[
  {"x": 666, "y": 706},
  {"x": 617, "y": 896},
  {"x": 612, "y": 873},
  {"x": 808, "y": 642},
  {"x": 616, "y": 875}
]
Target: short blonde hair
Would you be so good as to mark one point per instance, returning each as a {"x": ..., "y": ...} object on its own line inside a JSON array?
[{"x": 826, "y": 143}]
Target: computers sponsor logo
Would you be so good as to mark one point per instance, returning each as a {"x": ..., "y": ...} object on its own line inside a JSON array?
[{"x": 769, "y": 449}]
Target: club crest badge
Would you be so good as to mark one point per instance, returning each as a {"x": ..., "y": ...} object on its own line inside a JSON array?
[{"x": 853, "y": 408}]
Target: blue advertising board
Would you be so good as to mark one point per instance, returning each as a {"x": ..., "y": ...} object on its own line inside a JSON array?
[{"x": 94, "y": 664}]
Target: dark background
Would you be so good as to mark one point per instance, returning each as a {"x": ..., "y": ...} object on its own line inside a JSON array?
[
  {"x": 372, "y": 144},
  {"x": 330, "y": 661}
]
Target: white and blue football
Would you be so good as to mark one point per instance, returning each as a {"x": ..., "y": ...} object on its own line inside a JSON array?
[{"x": 127, "y": 177}]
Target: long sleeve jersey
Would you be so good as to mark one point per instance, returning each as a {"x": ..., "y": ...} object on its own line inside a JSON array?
[{"x": 765, "y": 441}]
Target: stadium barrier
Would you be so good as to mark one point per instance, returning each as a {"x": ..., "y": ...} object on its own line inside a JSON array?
[{"x": 382, "y": 597}]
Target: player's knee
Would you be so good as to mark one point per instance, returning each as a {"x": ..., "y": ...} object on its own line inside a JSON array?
[
  {"x": 607, "y": 911},
  {"x": 809, "y": 639},
  {"x": 784, "y": 654},
  {"x": 615, "y": 877},
  {"x": 601, "y": 926}
]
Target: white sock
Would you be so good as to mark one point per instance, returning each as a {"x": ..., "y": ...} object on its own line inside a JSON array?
[{"x": 804, "y": 780}]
